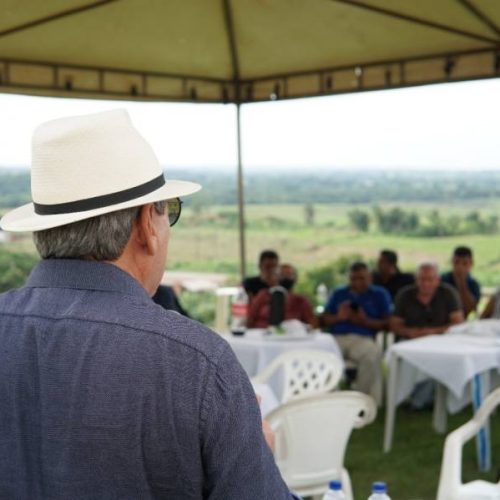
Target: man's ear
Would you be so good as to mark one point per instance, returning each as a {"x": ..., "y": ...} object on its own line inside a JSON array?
[{"x": 146, "y": 233}]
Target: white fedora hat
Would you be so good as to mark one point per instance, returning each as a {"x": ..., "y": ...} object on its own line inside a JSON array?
[{"x": 84, "y": 166}]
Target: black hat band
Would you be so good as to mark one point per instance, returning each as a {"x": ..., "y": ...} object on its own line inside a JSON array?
[{"x": 105, "y": 200}]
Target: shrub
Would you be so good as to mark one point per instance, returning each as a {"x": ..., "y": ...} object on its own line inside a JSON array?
[{"x": 14, "y": 269}]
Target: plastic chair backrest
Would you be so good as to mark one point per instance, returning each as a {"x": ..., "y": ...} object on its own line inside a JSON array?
[
  {"x": 305, "y": 373},
  {"x": 312, "y": 435},
  {"x": 450, "y": 480}
]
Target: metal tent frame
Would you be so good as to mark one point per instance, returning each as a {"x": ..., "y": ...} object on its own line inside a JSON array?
[{"x": 466, "y": 49}]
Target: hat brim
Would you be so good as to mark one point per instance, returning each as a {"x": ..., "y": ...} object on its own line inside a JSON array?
[{"x": 25, "y": 219}]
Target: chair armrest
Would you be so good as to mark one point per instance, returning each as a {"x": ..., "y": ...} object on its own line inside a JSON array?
[{"x": 451, "y": 468}]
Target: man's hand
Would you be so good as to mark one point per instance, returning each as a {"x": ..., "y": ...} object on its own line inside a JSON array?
[
  {"x": 268, "y": 434},
  {"x": 266, "y": 429},
  {"x": 469, "y": 301},
  {"x": 460, "y": 279},
  {"x": 358, "y": 317},
  {"x": 460, "y": 274},
  {"x": 425, "y": 331},
  {"x": 344, "y": 312},
  {"x": 414, "y": 333}
]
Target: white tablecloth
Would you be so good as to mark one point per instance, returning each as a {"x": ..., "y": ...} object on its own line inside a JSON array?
[
  {"x": 451, "y": 360},
  {"x": 256, "y": 349},
  {"x": 454, "y": 361}
]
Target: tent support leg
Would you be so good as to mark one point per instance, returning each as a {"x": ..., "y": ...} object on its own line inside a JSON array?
[{"x": 241, "y": 198}]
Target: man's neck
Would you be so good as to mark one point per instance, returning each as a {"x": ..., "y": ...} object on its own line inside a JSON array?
[
  {"x": 392, "y": 273},
  {"x": 130, "y": 267},
  {"x": 425, "y": 298},
  {"x": 388, "y": 275}
]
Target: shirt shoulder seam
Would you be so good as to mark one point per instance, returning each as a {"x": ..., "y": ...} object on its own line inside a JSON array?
[
  {"x": 208, "y": 392},
  {"x": 143, "y": 330}
]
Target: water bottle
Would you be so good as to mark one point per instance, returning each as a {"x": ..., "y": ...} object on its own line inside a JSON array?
[
  {"x": 334, "y": 492},
  {"x": 239, "y": 311},
  {"x": 379, "y": 492},
  {"x": 321, "y": 297}
]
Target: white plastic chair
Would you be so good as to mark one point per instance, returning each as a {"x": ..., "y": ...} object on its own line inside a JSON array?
[
  {"x": 450, "y": 481},
  {"x": 305, "y": 373},
  {"x": 311, "y": 437}
]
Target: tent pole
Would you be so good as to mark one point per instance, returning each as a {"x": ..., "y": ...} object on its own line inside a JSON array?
[
  {"x": 241, "y": 198},
  {"x": 228, "y": 18}
]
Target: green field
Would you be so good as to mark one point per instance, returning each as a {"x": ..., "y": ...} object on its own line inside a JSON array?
[
  {"x": 203, "y": 242},
  {"x": 206, "y": 239}
]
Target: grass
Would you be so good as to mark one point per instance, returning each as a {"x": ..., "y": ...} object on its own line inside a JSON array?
[{"x": 412, "y": 468}]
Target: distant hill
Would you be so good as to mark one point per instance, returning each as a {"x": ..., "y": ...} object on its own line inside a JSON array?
[
  {"x": 345, "y": 186},
  {"x": 14, "y": 187},
  {"x": 219, "y": 188}
]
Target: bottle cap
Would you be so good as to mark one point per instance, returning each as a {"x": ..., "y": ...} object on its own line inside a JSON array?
[
  {"x": 335, "y": 485},
  {"x": 379, "y": 487}
]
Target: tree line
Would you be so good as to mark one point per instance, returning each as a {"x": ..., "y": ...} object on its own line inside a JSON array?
[
  {"x": 312, "y": 187},
  {"x": 397, "y": 220}
]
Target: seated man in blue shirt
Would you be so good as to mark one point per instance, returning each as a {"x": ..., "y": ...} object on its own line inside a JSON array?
[
  {"x": 355, "y": 313},
  {"x": 460, "y": 278}
]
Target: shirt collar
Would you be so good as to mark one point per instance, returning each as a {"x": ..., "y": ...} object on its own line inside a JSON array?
[
  {"x": 84, "y": 275},
  {"x": 362, "y": 294}
]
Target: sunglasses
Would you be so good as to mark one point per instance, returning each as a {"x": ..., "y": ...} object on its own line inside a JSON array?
[{"x": 174, "y": 207}]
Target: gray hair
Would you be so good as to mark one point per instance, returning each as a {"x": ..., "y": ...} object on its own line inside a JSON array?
[
  {"x": 99, "y": 238},
  {"x": 428, "y": 265}
]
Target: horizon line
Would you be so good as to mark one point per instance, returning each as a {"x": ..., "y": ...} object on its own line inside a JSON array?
[{"x": 269, "y": 169}]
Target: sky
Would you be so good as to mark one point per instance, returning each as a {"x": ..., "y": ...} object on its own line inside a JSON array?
[{"x": 447, "y": 126}]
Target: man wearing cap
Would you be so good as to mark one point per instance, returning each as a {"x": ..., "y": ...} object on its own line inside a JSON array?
[{"x": 104, "y": 394}]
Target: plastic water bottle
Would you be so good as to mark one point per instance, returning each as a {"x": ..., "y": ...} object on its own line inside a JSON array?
[
  {"x": 379, "y": 492},
  {"x": 239, "y": 311},
  {"x": 334, "y": 492},
  {"x": 321, "y": 297}
]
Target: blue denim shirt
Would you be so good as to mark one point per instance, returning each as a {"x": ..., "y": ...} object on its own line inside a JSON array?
[{"x": 105, "y": 395}]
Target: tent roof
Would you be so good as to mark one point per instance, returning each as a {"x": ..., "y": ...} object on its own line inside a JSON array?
[{"x": 242, "y": 50}]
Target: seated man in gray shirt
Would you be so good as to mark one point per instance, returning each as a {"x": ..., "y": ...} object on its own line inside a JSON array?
[
  {"x": 103, "y": 393},
  {"x": 429, "y": 307}
]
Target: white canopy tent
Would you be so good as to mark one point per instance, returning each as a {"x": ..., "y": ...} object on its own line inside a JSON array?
[{"x": 240, "y": 51}]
